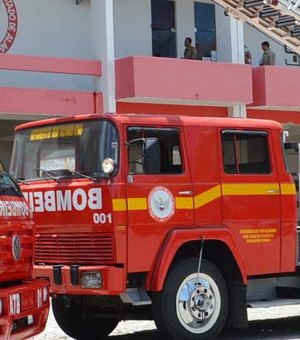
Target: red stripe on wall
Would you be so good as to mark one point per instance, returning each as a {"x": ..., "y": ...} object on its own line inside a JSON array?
[
  {"x": 201, "y": 111},
  {"x": 279, "y": 116},
  {"x": 49, "y": 102},
  {"x": 50, "y": 65}
]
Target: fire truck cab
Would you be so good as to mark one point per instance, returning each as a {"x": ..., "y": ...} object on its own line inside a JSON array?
[
  {"x": 24, "y": 302},
  {"x": 180, "y": 219}
]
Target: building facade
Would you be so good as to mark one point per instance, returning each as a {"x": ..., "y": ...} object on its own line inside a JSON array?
[{"x": 68, "y": 57}]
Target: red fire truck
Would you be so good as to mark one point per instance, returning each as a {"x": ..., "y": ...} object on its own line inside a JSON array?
[
  {"x": 184, "y": 220},
  {"x": 24, "y": 302}
]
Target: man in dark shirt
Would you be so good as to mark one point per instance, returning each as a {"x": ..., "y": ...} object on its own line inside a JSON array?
[{"x": 190, "y": 51}]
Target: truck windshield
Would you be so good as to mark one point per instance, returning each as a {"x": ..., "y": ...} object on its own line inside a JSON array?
[
  {"x": 64, "y": 150},
  {"x": 7, "y": 185}
]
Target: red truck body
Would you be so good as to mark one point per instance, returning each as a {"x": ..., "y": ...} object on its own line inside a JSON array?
[
  {"x": 126, "y": 205},
  {"x": 24, "y": 302}
]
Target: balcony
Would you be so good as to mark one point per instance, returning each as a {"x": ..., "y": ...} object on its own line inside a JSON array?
[
  {"x": 141, "y": 79},
  {"x": 276, "y": 88}
]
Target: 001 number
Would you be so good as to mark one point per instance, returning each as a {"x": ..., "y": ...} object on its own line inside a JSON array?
[{"x": 102, "y": 218}]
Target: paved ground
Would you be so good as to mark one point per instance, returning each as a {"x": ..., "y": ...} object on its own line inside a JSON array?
[{"x": 271, "y": 323}]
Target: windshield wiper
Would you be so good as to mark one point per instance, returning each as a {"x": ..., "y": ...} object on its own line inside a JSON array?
[
  {"x": 57, "y": 179},
  {"x": 94, "y": 177},
  {"x": 21, "y": 180}
]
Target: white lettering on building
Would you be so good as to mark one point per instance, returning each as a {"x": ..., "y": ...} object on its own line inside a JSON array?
[{"x": 64, "y": 200}]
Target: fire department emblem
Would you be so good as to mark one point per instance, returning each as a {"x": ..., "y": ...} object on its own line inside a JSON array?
[
  {"x": 16, "y": 247},
  {"x": 161, "y": 204},
  {"x": 8, "y": 24}
]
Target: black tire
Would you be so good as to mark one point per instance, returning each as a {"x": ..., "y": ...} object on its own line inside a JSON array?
[
  {"x": 174, "y": 308},
  {"x": 71, "y": 321}
]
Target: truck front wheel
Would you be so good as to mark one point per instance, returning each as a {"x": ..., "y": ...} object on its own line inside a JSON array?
[
  {"x": 191, "y": 305},
  {"x": 72, "y": 321}
]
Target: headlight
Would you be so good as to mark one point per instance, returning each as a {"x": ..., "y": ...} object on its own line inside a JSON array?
[
  {"x": 39, "y": 298},
  {"x": 45, "y": 294},
  {"x": 91, "y": 280},
  {"x": 108, "y": 166}
]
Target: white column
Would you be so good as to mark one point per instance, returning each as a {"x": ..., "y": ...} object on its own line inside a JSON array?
[
  {"x": 230, "y": 38},
  {"x": 237, "y": 41},
  {"x": 102, "y": 25},
  {"x": 185, "y": 23},
  {"x": 237, "y": 111}
]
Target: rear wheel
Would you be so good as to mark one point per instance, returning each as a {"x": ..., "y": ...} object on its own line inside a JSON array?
[
  {"x": 191, "y": 305},
  {"x": 72, "y": 321}
]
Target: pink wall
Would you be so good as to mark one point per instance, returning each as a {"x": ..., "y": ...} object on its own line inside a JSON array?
[
  {"x": 181, "y": 80},
  {"x": 50, "y": 65},
  {"x": 48, "y": 101},
  {"x": 276, "y": 87}
]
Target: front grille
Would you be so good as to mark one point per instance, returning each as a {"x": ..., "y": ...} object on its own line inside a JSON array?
[{"x": 85, "y": 249}]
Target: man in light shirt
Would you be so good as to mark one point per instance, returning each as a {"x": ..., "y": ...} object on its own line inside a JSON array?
[{"x": 269, "y": 56}]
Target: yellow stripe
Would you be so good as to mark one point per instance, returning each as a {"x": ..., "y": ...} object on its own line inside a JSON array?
[
  {"x": 184, "y": 203},
  {"x": 119, "y": 204},
  {"x": 288, "y": 188},
  {"x": 250, "y": 189},
  {"x": 137, "y": 203},
  {"x": 207, "y": 196}
]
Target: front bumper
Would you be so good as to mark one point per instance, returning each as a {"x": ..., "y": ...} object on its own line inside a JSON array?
[
  {"x": 61, "y": 279},
  {"x": 24, "y": 312}
]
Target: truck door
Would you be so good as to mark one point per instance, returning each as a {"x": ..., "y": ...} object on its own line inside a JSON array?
[
  {"x": 251, "y": 198},
  {"x": 159, "y": 191}
]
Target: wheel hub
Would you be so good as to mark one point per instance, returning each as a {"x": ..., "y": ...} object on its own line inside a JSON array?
[{"x": 202, "y": 303}]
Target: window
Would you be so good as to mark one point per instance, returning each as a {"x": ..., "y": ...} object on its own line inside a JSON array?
[
  {"x": 205, "y": 28},
  {"x": 168, "y": 152},
  {"x": 163, "y": 28},
  {"x": 245, "y": 152},
  {"x": 8, "y": 187},
  {"x": 64, "y": 150}
]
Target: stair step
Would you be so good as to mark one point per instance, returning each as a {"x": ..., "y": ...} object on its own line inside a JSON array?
[
  {"x": 136, "y": 297},
  {"x": 273, "y": 303},
  {"x": 266, "y": 24}
]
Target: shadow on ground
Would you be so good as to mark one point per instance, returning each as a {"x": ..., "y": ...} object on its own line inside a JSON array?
[{"x": 286, "y": 328}]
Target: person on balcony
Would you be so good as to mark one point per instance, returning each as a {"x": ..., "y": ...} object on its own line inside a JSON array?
[
  {"x": 190, "y": 51},
  {"x": 248, "y": 57},
  {"x": 268, "y": 57}
]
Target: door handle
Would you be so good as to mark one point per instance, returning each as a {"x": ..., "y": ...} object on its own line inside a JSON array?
[
  {"x": 273, "y": 191},
  {"x": 186, "y": 192}
]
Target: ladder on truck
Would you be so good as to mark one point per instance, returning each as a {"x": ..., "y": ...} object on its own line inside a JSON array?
[{"x": 278, "y": 19}]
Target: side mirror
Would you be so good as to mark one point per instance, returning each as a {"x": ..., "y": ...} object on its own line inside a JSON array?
[
  {"x": 152, "y": 156},
  {"x": 144, "y": 156}
]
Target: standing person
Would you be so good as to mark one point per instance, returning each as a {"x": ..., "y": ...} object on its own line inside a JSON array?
[
  {"x": 190, "y": 51},
  {"x": 248, "y": 58},
  {"x": 269, "y": 56}
]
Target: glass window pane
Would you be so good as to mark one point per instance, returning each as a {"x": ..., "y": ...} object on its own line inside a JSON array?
[
  {"x": 169, "y": 146},
  {"x": 205, "y": 17},
  {"x": 163, "y": 14},
  {"x": 245, "y": 153},
  {"x": 205, "y": 24},
  {"x": 163, "y": 28},
  {"x": 205, "y": 43},
  {"x": 253, "y": 154},
  {"x": 228, "y": 151},
  {"x": 163, "y": 43}
]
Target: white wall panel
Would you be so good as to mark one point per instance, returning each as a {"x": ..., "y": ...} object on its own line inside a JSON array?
[{"x": 132, "y": 27}]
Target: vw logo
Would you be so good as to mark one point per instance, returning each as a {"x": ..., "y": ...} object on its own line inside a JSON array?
[{"x": 16, "y": 247}]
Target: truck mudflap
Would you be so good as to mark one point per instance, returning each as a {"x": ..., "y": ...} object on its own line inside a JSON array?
[
  {"x": 24, "y": 309},
  {"x": 82, "y": 280}
]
